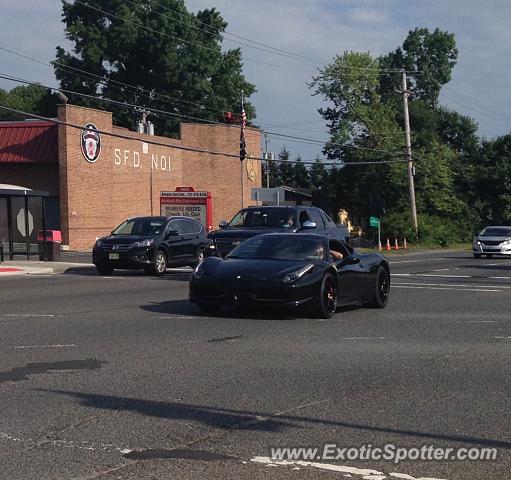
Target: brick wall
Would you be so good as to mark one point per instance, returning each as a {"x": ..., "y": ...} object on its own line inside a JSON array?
[
  {"x": 130, "y": 173},
  {"x": 36, "y": 176}
]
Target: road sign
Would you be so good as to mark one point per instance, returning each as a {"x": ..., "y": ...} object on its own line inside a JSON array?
[{"x": 374, "y": 221}]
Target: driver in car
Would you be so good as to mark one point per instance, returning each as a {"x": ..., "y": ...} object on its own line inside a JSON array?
[{"x": 319, "y": 252}]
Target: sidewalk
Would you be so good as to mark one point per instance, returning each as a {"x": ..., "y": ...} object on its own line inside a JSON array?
[{"x": 72, "y": 261}]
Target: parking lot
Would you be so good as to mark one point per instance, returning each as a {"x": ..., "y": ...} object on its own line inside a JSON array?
[{"x": 121, "y": 377}]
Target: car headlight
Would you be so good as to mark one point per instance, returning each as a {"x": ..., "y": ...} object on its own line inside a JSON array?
[
  {"x": 210, "y": 243},
  {"x": 144, "y": 243},
  {"x": 198, "y": 271},
  {"x": 294, "y": 276},
  {"x": 506, "y": 243},
  {"x": 476, "y": 242}
]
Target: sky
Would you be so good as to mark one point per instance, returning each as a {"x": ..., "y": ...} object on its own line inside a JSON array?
[{"x": 319, "y": 29}]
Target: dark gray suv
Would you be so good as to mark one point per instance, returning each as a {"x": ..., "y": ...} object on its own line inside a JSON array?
[
  {"x": 253, "y": 221},
  {"x": 150, "y": 243}
]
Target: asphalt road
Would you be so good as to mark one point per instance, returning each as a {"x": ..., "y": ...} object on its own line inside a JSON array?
[{"x": 120, "y": 377}]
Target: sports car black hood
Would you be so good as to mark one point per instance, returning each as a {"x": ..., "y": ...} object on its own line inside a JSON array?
[{"x": 257, "y": 269}]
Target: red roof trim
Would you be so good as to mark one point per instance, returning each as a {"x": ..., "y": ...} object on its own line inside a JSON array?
[{"x": 28, "y": 142}]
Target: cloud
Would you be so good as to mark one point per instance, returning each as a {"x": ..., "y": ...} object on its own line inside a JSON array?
[{"x": 318, "y": 29}]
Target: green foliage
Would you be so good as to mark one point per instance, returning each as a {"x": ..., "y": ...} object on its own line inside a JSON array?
[
  {"x": 156, "y": 47},
  {"x": 428, "y": 58},
  {"x": 30, "y": 99}
]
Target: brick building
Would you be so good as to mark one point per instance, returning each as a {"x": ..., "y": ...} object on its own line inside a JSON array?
[{"x": 89, "y": 196}]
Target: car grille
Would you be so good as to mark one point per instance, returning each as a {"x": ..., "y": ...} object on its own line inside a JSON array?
[
  {"x": 224, "y": 245},
  {"x": 491, "y": 243},
  {"x": 117, "y": 247}
]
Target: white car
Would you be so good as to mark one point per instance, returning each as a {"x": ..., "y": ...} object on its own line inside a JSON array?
[{"x": 492, "y": 240}]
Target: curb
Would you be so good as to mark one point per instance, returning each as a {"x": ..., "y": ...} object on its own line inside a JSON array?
[{"x": 10, "y": 271}]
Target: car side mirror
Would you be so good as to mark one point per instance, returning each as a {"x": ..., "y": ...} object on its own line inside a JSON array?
[
  {"x": 223, "y": 224},
  {"x": 308, "y": 225},
  {"x": 350, "y": 260}
]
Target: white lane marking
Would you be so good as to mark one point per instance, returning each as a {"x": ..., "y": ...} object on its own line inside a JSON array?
[
  {"x": 322, "y": 466},
  {"x": 82, "y": 445},
  {"x": 501, "y": 338},
  {"x": 445, "y": 288},
  {"x": 44, "y": 346},
  {"x": 392, "y": 262},
  {"x": 428, "y": 275},
  {"x": 365, "y": 473},
  {"x": 476, "y": 321},
  {"x": 479, "y": 277},
  {"x": 26, "y": 315},
  {"x": 450, "y": 285},
  {"x": 442, "y": 270},
  {"x": 178, "y": 317},
  {"x": 363, "y": 338}
]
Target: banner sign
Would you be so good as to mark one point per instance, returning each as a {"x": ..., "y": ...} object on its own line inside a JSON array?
[{"x": 187, "y": 203}]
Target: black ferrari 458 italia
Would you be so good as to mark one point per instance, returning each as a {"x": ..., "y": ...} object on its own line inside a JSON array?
[{"x": 297, "y": 271}]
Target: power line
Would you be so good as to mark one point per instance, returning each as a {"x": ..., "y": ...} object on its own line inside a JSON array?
[
  {"x": 189, "y": 149},
  {"x": 491, "y": 113},
  {"x": 150, "y": 94},
  {"x": 187, "y": 117},
  {"x": 152, "y": 30},
  {"x": 113, "y": 15}
]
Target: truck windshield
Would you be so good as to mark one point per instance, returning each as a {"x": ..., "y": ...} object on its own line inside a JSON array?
[{"x": 264, "y": 218}]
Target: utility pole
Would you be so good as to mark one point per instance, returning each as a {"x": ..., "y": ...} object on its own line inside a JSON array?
[
  {"x": 267, "y": 161},
  {"x": 408, "y": 155}
]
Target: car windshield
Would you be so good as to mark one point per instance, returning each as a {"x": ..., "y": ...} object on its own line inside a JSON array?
[
  {"x": 264, "y": 218},
  {"x": 280, "y": 247},
  {"x": 140, "y": 226},
  {"x": 496, "y": 232}
]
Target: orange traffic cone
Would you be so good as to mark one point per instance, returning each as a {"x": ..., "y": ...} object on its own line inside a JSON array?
[
  {"x": 396, "y": 245},
  {"x": 405, "y": 245},
  {"x": 388, "y": 244}
]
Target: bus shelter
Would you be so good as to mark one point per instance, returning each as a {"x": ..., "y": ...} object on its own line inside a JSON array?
[{"x": 22, "y": 222}]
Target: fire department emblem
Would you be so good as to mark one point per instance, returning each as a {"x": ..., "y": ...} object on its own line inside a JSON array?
[{"x": 90, "y": 143}]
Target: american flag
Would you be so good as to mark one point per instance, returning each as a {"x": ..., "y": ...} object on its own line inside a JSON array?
[{"x": 243, "y": 143}]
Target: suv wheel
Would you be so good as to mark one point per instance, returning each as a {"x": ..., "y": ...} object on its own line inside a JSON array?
[{"x": 159, "y": 266}]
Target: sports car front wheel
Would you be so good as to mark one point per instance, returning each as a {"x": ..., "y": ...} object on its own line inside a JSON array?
[
  {"x": 327, "y": 304},
  {"x": 382, "y": 289}
]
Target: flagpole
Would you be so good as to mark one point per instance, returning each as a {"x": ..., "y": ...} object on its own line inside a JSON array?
[{"x": 242, "y": 146}]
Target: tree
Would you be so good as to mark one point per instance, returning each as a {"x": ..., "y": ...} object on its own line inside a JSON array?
[
  {"x": 285, "y": 169},
  {"x": 317, "y": 174},
  {"x": 171, "y": 57},
  {"x": 428, "y": 59},
  {"x": 31, "y": 99},
  {"x": 300, "y": 174},
  {"x": 491, "y": 181}
]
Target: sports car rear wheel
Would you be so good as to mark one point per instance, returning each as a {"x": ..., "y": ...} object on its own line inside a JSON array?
[
  {"x": 327, "y": 304},
  {"x": 382, "y": 289}
]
